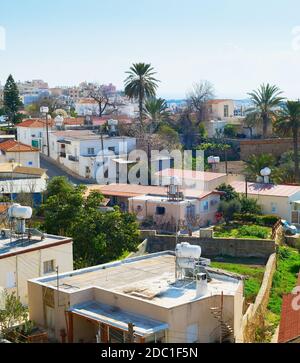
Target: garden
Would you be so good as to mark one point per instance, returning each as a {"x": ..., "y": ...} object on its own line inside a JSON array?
[{"x": 241, "y": 217}]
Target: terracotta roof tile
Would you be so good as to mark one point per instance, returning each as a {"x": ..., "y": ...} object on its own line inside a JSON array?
[{"x": 16, "y": 146}]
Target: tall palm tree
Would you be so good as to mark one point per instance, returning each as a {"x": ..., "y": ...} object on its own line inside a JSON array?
[
  {"x": 156, "y": 110},
  {"x": 288, "y": 122},
  {"x": 141, "y": 84},
  {"x": 266, "y": 99}
]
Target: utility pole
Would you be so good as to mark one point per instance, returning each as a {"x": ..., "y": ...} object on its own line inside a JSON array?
[
  {"x": 130, "y": 333},
  {"x": 45, "y": 110}
]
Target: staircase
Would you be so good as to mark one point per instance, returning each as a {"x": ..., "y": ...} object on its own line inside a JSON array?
[{"x": 225, "y": 329}]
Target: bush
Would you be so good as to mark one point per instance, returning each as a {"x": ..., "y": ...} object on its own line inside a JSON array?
[
  {"x": 268, "y": 220},
  {"x": 262, "y": 220},
  {"x": 229, "y": 192},
  {"x": 250, "y": 205},
  {"x": 254, "y": 231},
  {"x": 230, "y": 131},
  {"x": 229, "y": 209}
]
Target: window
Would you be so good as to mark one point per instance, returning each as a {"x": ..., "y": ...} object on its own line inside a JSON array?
[
  {"x": 112, "y": 148},
  {"x": 205, "y": 206},
  {"x": 10, "y": 280},
  {"x": 226, "y": 111},
  {"x": 273, "y": 207},
  {"x": 160, "y": 211},
  {"x": 49, "y": 267},
  {"x": 91, "y": 151}
]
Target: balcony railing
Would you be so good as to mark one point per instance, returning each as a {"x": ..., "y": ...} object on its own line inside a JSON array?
[{"x": 73, "y": 158}]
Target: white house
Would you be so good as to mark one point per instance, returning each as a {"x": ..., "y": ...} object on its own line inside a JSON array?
[
  {"x": 12, "y": 151},
  {"x": 280, "y": 200},
  {"x": 80, "y": 150}
]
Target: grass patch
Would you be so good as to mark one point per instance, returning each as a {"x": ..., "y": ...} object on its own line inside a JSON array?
[
  {"x": 285, "y": 277},
  {"x": 236, "y": 230},
  {"x": 254, "y": 276}
]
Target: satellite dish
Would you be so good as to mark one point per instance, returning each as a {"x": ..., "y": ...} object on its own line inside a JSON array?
[{"x": 265, "y": 172}]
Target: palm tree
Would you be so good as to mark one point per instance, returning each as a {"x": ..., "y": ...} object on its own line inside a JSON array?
[
  {"x": 288, "y": 122},
  {"x": 141, "y": 84},
  {"x": 155, "y": 110},
  {"x": 266, "y": 99},
  {"x": 256, "y": 163}
]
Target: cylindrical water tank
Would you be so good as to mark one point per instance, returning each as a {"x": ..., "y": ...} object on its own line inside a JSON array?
[
  {"x": 186, "y": 263},
  {"x": 185, "y": 250},
  {"x": 19, "y": 212}
]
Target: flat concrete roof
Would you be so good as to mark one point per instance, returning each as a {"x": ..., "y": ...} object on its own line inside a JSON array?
[
  {"x": 118, "y": 318},
  {"x": 162, "y": 199},
  {"x": 12, "y": 247},
  {"x": 150, "y": 278}
]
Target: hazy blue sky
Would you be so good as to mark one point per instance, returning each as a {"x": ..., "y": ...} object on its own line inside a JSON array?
[{"x": 235, "y": 44}]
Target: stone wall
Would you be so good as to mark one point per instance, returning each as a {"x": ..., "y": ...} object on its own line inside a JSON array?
[
  {"x": 276, "y": 147},
  {"x": 254, "y": 317},
  {"x": 243, "y": 248}
]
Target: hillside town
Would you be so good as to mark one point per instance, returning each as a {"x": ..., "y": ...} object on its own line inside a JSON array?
[{"x": 129, "y": 217}]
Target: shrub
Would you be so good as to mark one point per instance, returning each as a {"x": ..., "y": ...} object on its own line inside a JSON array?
[
  {"x": 230, "y": 130},
  {"x": 229, "y": 209},
  {"x": 250, "y": 205},
  {"x": 268, "y": 220},
  {"x": 246, "y": 217},
  {"x": 254, "y": 231}
]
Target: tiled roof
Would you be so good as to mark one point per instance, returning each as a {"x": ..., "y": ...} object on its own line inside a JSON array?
[
  {"x": 266, "y": 189},
  {"x": 290, "y": 319},
  {"x": 34, "y": 123},
  {"x": 133, "y": 190},
  {"x": 16, "y": 146}
]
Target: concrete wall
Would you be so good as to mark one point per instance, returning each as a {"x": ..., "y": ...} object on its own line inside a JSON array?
[
  {"x": 254, "y": 317},
  {"x": 216, "y": 246},
  {"x": 276, "y": 147},
  {"x": 29, "y": 159},
  {"x": 31, "y": 265}
]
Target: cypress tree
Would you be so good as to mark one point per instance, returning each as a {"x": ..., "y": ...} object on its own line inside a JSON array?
[{"x": 12, "y": 101}]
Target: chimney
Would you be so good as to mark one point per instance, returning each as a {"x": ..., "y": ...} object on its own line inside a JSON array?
[{"x": 201, "y": 285}]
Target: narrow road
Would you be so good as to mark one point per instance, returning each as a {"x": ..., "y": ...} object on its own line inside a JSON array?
[{"x": 54, "y": 170}]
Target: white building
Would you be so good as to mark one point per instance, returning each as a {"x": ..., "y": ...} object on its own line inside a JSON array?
[
  {"x": 30, "y": 255},
  {"x": 12, "y": 151},
  {"x": 80, "y": 150}
]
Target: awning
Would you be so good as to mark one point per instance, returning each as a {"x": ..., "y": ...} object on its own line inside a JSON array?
[{"x": 118, "y": 318}]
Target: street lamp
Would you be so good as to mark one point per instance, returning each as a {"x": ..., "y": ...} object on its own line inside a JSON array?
[{"x": 45, "y": 110}]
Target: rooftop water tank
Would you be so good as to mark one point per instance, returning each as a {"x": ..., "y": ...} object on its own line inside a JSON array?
[
  {"x": 19, "y": 212},
  {"x": 185, "y": 250}
]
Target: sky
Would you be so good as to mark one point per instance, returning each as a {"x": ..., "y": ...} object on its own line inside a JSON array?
[{"x": 236, "y": 45}]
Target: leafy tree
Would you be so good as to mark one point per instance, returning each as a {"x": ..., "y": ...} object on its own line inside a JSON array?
[
  {"x": 12, "y": 102},
  {"x": 168, "y": 136},
  {"x": 13, "y": 313},
  {"x": 98, "y": 237},
  {"x": 229, "y": 192},
  {"x": 141, "y": 84},
  {"x": 266, "y": 99},
  {"x": 230, "y": 131},
  {"x": 288, "y": 122},
  {"x": 229, "y": 209},
  {"x": 250, "y": 121}
]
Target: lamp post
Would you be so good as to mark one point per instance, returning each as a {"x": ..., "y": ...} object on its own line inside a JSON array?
[{"x": 45, "y": 110}]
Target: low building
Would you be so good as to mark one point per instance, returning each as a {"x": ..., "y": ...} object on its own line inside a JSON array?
[
  {"x": 100, "y": 303},
  {"x": 280, "y": 200},
  {"x": 23, "y": 258},
  {"x": 199, "y": 180},
  {"x": 220, "y": 109},
  {"x": 81, "y": 150},
  {"x": 12, "y": 151},
  {"x": 196, "y": 207}
]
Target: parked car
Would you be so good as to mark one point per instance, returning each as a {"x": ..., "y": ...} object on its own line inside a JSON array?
[{"x": 289, "y": 228}]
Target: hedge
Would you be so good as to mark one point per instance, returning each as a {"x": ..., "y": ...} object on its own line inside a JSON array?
[{"x": 262, "y": 220}]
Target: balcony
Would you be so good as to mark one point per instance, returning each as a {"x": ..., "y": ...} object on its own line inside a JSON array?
[{"x": 73, "y": 158}]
